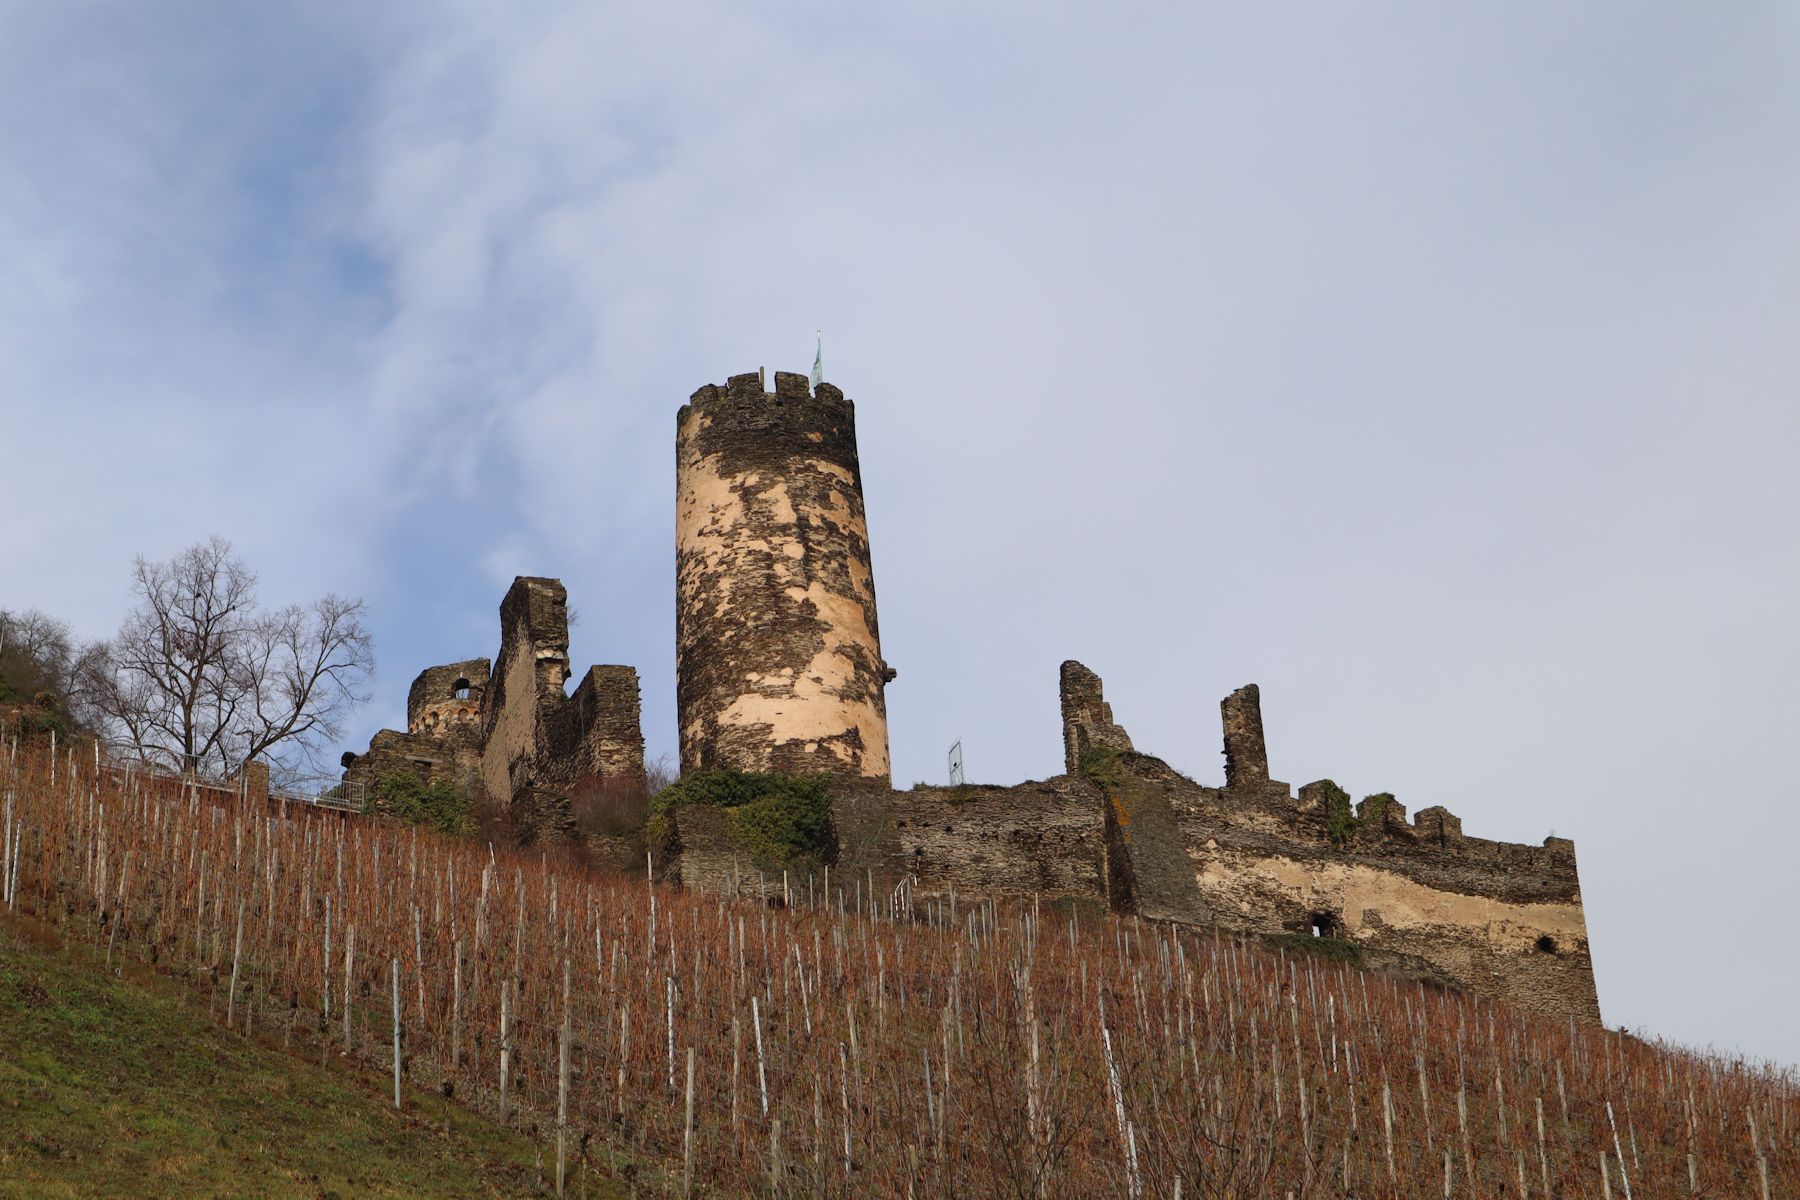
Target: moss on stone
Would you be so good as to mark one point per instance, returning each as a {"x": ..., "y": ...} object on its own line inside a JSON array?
[
  {"x": 1105, "y": 766},
  {"x": 780, "y": 820}
]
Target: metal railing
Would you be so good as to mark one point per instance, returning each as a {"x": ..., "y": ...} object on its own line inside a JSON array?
[
  {"x": 154, "y": 762},
  {"x": 321, "y": 790}
]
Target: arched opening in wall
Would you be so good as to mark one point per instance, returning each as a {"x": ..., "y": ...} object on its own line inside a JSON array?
[
  {"x": 1324, "y": 925},
  {"x": 460, "y": 689},
  {"x": 1546, "y": 944}
]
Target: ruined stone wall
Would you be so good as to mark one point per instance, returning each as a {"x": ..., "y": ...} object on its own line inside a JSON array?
[
  {"x": 778, "y": 653},
  {"x": 1418, "y": 897},
  {"x": 1087, "y": 717},
  {"x": 1490, "y": 917},
  {"x": 433, "y": 757},
  {"x": 525, "y": 688},
  {"x": 600, "y": 732},
  {"x": 516, "y": 737},
  {"x": 1500, "y": 920},
  {"x": 432, "y": 703}
]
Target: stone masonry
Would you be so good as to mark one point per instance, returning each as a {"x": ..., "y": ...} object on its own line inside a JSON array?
[
  {"x": 511, "y": 735},
  {"x": 1124, "y": 829},
  {"x": 1087, "y": 717},
  {"x": 778, "y": 654}
]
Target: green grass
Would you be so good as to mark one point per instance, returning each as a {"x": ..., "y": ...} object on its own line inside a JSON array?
[{"x": 126, "y": 1087}]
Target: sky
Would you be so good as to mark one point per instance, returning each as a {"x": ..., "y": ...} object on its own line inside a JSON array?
[{"x": 1432, "y": 366}]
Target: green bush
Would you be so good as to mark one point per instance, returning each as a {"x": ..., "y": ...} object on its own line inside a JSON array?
[
  {"x": 781, "y": 820},
  {"x": 439, "y": 806},
  {"x": 1340, "y": 819},
  {"x": 1342, "y": 822}
]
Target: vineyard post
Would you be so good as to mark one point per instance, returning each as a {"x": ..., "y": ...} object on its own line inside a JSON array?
[
  {"x": 562, "y": 1085},
  {"x": 456, "y": 1008},
  {"x": 237, "y": 950},
  {"x": 397, "y": 1059},
  {"x": 349, "y": 974},
  {"x": 1462, "y": 1121},
  {"x": 737, "y": 1046},
  {"x": 624, "y": 1048},
  {"x": 1624, "y": 1178},
  {"x": 6, "y": 826},
  {"x": 762, "y": 1078},
  {"x": 418, "y": 942},
  {"x": 687, "y": 1135},
  {"x": 1543, "y": 1159},
  {"x": 1387, "y": 1130},
  {"x": 325, "y": 984},
  {"x": 505, "y": 1044}
]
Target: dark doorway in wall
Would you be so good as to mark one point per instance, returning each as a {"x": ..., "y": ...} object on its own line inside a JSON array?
[{"x": 1324, "y": 925}]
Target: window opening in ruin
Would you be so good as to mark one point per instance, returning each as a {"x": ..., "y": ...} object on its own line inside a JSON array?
[
  {"x": 460, "y": 689},
  {"x": 1323, "y": 925},
  {"x": 1547, "y": 944}
]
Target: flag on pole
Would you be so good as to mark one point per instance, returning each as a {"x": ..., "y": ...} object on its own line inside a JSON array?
[{"x": 818, "y": 371}]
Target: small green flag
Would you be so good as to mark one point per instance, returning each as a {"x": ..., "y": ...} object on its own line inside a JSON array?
[{"x": 818, "y": 371}]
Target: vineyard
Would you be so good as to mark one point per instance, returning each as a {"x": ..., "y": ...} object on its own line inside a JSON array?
[{"x": 862, "y": 1042}]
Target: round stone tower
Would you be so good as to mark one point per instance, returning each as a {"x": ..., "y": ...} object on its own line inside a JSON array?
[{"x": 778, "y": 656}]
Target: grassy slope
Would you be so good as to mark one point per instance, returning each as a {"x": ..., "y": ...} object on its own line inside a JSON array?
[{"x": 114, "y": 1087}]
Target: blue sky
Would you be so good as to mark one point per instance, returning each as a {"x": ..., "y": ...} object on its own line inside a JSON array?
[{"x": 1431, "y": 366}]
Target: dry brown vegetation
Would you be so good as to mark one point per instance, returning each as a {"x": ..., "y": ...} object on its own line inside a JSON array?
[{"x": 872, "y": 1045}]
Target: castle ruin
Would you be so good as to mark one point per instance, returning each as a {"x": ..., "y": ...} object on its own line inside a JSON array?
[
  {"x": 780, "y": 670},
  {"x": 510, "y": 732}
]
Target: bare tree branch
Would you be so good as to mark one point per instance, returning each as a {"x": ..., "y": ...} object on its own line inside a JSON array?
[{"x": 197, "y": 672}]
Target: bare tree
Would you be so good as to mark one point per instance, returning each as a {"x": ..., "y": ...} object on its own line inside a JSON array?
[{"x": 200, "y": 675}]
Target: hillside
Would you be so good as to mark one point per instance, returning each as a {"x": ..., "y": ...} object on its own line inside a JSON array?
[
  {"x": 893, "y": 1045},
  {"x": 126, "y": 1086}
]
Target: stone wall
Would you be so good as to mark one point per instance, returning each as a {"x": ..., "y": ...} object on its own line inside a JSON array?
[
  {"x": 1417, "y": 897},
  {"x": 516, "y": 738},
  {"x": 446, "y": 696},
  {"x": 1087, "y": 717},
  {"x": 778, "y": 651}
]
